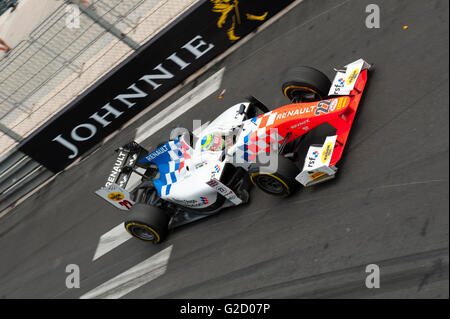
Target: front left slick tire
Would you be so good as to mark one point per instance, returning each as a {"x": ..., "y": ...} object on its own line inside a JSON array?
[{"x": 281, "y": 183}]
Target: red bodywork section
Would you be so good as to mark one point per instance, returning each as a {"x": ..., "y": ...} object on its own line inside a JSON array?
[{"x": 299, "y": 118}]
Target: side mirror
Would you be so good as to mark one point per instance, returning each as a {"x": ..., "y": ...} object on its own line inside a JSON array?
[
  {"x": 258, "y": 104},
  {"x": 242, "y": 109}
]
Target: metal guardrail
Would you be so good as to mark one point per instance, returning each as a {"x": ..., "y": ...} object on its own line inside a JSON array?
[{"x": 19, "y": 175}]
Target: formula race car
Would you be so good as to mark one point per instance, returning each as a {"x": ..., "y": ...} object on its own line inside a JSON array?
[{"x": 194, "y": 175}]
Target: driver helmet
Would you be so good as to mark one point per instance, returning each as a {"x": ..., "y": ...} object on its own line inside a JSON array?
[{"x": 211, "y": 142}]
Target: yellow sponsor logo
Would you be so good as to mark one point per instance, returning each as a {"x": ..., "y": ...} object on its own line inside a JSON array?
[
  {"x": 116, "y": 196},
  {"x": 352, "y": 77},
  {"x": 341, "y": 103},
  {"x": 316, "y": 175},
  {"x": 230, "y": 16},
  {"x": 326, "y": 154}
]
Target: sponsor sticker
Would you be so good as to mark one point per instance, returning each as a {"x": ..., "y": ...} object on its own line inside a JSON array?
[
  {"x": 200, "y": 165},
  {"x": 327, "y": 151},
  {"x": 224, "y": 191},
  {"x": 333, "y": 104},
  {"x": 323, "y": 107},
  {"x": 132, "y": 160},
  {"x": 163, "y": 149},
  {"x": 116, "y": 169},
  {"x": 316, "y": 175},
  {"x": 116, "y": 196},
  {"x": 341, "y": 103},
  {"x": 311, "y": 158},
  {"x": 192, "y": 203},
  {"x": 296, "y": 112},
  {"x": 299, "y": 124},
  {"x": 352, "y": 77}
]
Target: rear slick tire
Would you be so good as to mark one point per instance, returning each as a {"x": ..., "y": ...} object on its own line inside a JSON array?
[{"x": 147, "y": 223}]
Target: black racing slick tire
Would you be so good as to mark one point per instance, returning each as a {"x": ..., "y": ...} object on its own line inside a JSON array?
[
  {"x": 305, "y": 84},
  {"x": 281, "y": 183},
  {"x": 147, "y": 223}
]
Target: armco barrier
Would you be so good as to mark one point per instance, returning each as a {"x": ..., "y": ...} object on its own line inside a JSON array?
[
  {"x": 19, "y": 175},
  {"x": 195, "y": 38}
]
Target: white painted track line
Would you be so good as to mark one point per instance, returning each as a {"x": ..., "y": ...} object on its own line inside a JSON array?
[
  {"x": 133, "y": 278},
  {"x": 110, "y": 240},
  {"x": 182, "y": 105}
]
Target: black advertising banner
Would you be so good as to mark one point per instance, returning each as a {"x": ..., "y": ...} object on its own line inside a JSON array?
[{"x": 202, "y": 33}]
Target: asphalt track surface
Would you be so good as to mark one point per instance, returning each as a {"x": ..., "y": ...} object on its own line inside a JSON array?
[{"x": 388, "y": 206}]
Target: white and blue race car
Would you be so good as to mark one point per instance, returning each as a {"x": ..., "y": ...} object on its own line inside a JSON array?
[{"x": 192, "y": 176}]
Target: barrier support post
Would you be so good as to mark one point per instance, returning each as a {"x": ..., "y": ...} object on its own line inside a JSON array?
[{"x": 105, "y": 24}]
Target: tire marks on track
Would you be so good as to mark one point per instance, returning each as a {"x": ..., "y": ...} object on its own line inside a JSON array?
[{"x": 411, "y": 270}]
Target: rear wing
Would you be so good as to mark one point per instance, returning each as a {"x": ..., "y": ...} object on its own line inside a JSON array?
[
  {"x": 114, "y": 191},
  {"x": 127, "y": 156}
]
